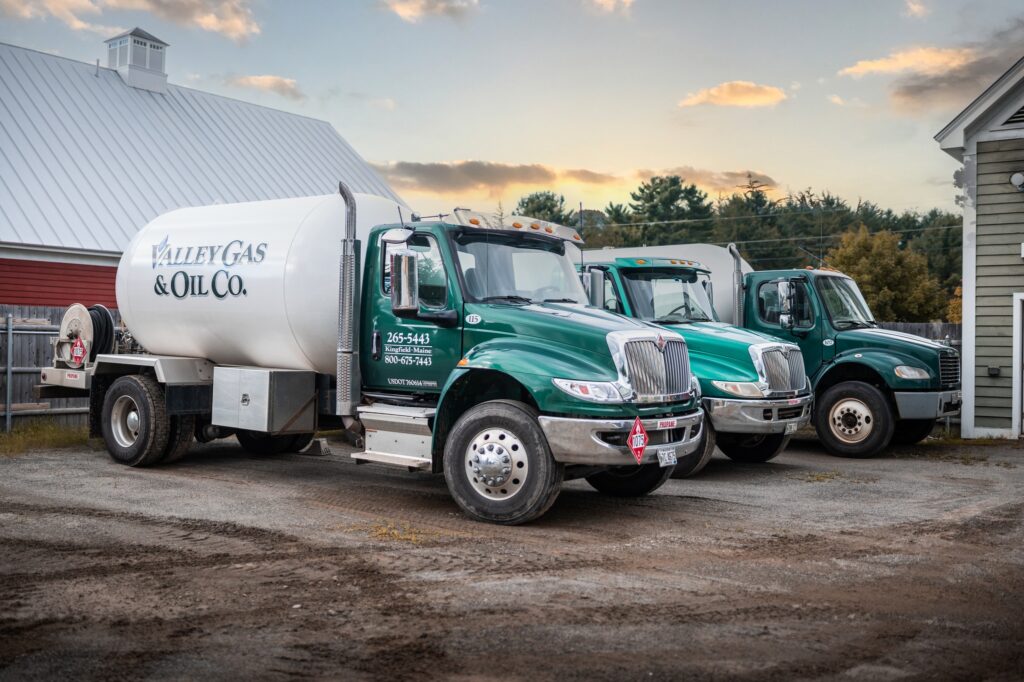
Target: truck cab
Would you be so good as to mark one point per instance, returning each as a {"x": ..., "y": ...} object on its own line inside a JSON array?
[
  {"x": 754, "y": 386},
  {"x": 872, "y": 386},
  {"x": 462, "y": 345}
]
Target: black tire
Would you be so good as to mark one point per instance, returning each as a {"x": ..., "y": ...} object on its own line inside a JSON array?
[
  {"x": 300, "y": 442},
  {"x": 752, "y": 448},
  {"x": 634, "y": 481},
  {"x": 693, "y": 463},
  {"x": 183, "y": 429},
  {"x": 910, "y": 431},
  {"x": 868, "y": 424},
  {"x": 140, "y": 440},
  {"x": 264, "y": 444},
  {"x": 518, "y": 440}
]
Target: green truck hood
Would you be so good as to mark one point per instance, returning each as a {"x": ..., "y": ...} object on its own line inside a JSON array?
[
  {"x": 720, "y": 351},
  {"x": 897, "y": 342}
]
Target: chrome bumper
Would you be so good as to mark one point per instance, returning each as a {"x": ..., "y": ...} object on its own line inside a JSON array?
[
  {"x": 927, "y": 404},
  {"x": 729, "y": 415},
  {"x": 586, "y": 441}
]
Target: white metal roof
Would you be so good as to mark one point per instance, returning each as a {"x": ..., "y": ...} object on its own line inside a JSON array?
[{"x": 86, "y": 160}]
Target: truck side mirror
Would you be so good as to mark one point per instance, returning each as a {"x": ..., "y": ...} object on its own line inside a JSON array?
[
  {"x": 596, "y": 288},
  {"x": 405, "y": 284},
  {"x": 786, "y": 321},
  {"x": 786, "y": 297}
]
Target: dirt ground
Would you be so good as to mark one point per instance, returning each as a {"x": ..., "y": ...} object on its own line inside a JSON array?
[{"x": 228, "y": 565}]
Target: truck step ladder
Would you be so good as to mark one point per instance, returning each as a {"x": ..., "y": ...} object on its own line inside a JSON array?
[{"x": 396, "y": 435}]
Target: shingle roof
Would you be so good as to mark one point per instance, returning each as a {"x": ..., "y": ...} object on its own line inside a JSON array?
[{"x": 86, "y": 160}]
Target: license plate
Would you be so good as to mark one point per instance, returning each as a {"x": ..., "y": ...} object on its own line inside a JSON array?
[
  {"x": 790, "y": 428},
  {"x": 667, "y": 457}
]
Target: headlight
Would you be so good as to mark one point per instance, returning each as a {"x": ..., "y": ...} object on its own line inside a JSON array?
[
  {"x": 908, "y": 372},
  {"x": 744, "y": 389},
  {"x": 695, "y": 386},
  {"x": 594, "y": 391}
]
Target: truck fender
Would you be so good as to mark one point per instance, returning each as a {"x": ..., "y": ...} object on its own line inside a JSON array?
[{"x": 872, "y": 366}]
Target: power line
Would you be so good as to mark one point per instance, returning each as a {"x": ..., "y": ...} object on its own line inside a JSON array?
[{"x": 770, "y": 214}]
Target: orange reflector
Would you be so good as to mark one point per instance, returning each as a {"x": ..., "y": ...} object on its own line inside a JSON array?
[
  {"x": 575, "y": 236},
  {"x": 549, "y": 230},
  {"x": 534, "y": 226},
  {"x": 640, "y": 261},
  {"x": 517, "y": 225},
  {"x": 463, "y": 362}
]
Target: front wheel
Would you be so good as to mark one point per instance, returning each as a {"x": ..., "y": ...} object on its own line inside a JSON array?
[
  {"x": 752, "y": 447},
  {"x": 630, "y": 481},
  {"x": 498, "y": 466},
  {"x": 910, "y": 431},
  {"x": 694, "y": 462},
  {"x": 853, "y": 419}
]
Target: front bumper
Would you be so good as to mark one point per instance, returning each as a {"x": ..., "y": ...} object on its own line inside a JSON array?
[
  {"x": 729, "y": 415},
  {"x": 927, "y": 404},
  {"x": 597, "y": 441}
]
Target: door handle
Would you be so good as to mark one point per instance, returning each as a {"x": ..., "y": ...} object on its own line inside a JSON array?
[{"x": 375, "y": 346}]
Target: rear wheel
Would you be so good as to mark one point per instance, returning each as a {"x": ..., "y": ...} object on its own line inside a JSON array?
[
  {"x": 630, "y": 481},
  {"x": 182, "y": 433},
  {"x": 853, "y": 419},
  {"x": 498, "y": 466},
  {"x": 694, "y": 462},
  {"x": 134, "y": 420},
  {"x": 910, "y": 431}
]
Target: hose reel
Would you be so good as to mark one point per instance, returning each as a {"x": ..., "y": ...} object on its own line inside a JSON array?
[{"x": 84, "y": 334}]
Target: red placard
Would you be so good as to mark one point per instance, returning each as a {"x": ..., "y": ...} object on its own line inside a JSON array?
[
  {"x": 637, "y": 439},
  {"x": 77, "y": 352}
]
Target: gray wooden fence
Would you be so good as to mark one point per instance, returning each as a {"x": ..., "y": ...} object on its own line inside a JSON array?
[{"x": 936, "y": 331}]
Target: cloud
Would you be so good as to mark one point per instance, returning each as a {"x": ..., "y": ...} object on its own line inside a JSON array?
[
  {"x": 285, "y": 87},
  {"x": 922, "y": 60},
  {"x": 589, "y": 177},
  {"x": 231, "y": 18},
  {"x": 837, "y": 100},
  {"x": 492, "y": 177},
  {"x": 736, "y": 94},
  {"x": 414, "y": 10},
  {"x": 609, "y": 6},
  {"x": 713, "y": 181},
  {"x": 840, "y": 102},
  {"x": 947, "y": 78},
  {"x": 916, "y": 9}
]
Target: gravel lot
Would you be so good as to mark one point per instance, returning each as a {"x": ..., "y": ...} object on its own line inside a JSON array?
[{"x": 230, "y": 565}]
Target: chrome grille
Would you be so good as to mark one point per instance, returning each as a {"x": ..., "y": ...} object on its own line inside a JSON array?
[
  {"x": 785, "y": 371},
  {"x": 654, "y": 373},
  {"x": 949, "y": 367}
]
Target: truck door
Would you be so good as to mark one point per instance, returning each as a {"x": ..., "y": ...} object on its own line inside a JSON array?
[
  {"x": 411, "y": 354},
  {"x": 805, "y": 324}
]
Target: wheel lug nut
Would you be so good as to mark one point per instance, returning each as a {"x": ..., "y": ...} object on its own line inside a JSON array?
[
  {"x": 505, "y": 470},
  {"x": 505, "y": 459},
  {"x": 476, "y": 470}
]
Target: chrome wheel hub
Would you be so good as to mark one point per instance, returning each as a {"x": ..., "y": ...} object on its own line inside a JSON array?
[
  {"x": 851, "y": 420},
  {"x": 125, "y": 421},
  {"x": 496, "y": 464}
]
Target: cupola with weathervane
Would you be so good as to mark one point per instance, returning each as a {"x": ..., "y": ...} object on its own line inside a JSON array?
[{"x": 140, "y": 58}]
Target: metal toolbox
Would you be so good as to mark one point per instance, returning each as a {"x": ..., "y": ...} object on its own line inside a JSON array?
[{"x": 267, "y": 400}]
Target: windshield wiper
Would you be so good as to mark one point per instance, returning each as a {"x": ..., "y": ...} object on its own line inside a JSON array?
[
  {"x": 559, "y": 300},
  {"x": 507, "y": 298},
  {"x": 852, "y": 323}
]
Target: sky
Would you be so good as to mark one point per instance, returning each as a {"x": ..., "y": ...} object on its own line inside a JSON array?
[{"x": 475, "y": 102}]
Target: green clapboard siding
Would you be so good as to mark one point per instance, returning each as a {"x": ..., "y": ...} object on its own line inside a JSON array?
[{"x": 1000, "y": 273}]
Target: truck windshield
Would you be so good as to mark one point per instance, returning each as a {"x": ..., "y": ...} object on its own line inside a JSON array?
[
  {"x": 516, "y": 268},
  {"x": 844, "y": 302},
  {"x": 667, "y": 296}
]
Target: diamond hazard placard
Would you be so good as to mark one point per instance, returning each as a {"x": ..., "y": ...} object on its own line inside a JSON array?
[
  {"x": 637, "y": 439},
  {"x": 77, "y": 353}
]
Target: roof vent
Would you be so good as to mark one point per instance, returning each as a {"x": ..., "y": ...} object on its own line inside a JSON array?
[
  {"x": 1016, "y": 118},
  {"x": 140, "y": 58}
]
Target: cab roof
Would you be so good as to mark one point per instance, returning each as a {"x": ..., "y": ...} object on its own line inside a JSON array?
[{"x": 654, "y": 262}]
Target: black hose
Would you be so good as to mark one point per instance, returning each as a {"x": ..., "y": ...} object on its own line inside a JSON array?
[{"x": 102, "y": 331}]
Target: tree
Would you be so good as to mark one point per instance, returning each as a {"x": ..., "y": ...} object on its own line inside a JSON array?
[
  {"x": 544, "y": 206},
  {"x": 618, "y": 214},
  {"x": 895, "y": 282},
  {"x": 666, "y": 200}
]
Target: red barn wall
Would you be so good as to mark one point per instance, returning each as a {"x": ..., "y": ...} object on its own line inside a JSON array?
[{"x": 44, "y": 283}]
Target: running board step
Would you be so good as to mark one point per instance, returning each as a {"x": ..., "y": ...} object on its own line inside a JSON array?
[
  {"x": 397, "y": 435},
  {"x": 391, "y": 459}
]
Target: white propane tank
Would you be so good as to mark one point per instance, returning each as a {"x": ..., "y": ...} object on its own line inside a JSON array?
[
  {"x": 253, "y": 283},
  {"x": 717, "y": 259}
]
